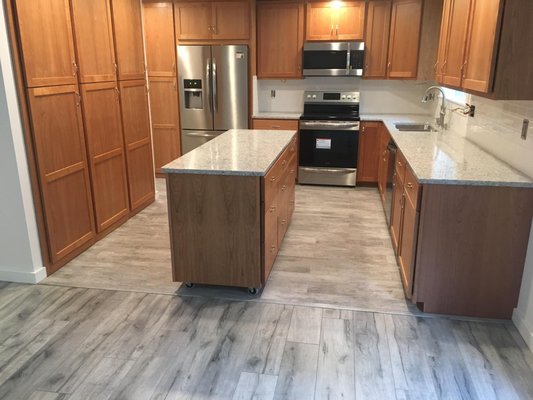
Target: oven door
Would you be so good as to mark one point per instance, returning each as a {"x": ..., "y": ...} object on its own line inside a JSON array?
[
  {"x": 328, "y": 152},
  {"x": 333, "y": 59}
]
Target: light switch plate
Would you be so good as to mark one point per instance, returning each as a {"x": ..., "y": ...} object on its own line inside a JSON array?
[{"x": 525, "y": 127}]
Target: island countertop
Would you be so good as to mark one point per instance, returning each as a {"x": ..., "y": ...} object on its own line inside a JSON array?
[{"x": 245, "y": 152}]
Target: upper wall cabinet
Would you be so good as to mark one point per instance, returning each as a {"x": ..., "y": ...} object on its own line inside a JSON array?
[
  {"x": 329, "y": 21},
  {"x": 404, "y": 40},
  {"x": 127, "y": 21},
  {"x": 217, "y": 20},
  {"x": 393, "y": 39},
  {"x": 280, "y": 31},
  {"x": 485, "y": 48},
  {"x": 94, "y": 40},
  {"x": 47, "y": 43},
  {"x": 159, "y": 39}
]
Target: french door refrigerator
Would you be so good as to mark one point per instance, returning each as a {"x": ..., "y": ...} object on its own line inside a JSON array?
[{"x": 213, "y": 82}]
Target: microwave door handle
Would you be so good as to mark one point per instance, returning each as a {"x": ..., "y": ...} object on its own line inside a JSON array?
[{"x": 348, "y": 59}]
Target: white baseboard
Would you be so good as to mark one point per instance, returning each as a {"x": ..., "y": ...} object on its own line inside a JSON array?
[
  {"x": 523, "y": 327},
  {"x": 22, "y": 277}
]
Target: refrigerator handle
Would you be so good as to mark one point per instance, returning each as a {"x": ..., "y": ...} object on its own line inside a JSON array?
[
  {"x": 208, "y": 84},
  {"x": 215, "y": 97}
]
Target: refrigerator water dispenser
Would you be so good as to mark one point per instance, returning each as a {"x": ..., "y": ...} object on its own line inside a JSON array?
[{"x": 193, "y": 93}]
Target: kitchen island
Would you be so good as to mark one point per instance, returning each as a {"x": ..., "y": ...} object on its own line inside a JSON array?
[{"x": 230, "y": 202}]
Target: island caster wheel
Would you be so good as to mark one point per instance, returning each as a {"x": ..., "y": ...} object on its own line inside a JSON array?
[
  {"x": 189, "y": 284},
  {"x": 253, "y": 291}
]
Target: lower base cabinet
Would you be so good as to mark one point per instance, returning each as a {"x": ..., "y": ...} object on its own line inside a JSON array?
[
  {"x": 460, "y": 248},
  {"x": 227, "y": 229}
]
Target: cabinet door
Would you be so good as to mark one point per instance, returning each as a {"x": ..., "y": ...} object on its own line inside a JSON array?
[
  {"x": 193, "y": 20},
  {"x": 443, "y": 41},
  {"x": 159, "y": 39},
  {"x": 231, "y": 20},
  {"x": 105, "y": 142},
  {"x": 47, "y": 42},
  {"x": 165, "y": 120},
  {"x": 321, "y": 21},
  {"x": 94, "y": 40},
  {"x": 61, "y": 158},
  {"x": 404, "y": 39},
  {"x": 408, "y": 245},
  {"x": 483, "y": 33},
  {"x": 139, "y": 161},
  {"x": 280, "y": 30},
  {"x": 377, "y": 38},
  {"x": 368, "y": 157},
  {"x": 350, "y": 21},
  {"x": 398, "y": 199},
  {"x": 456, "y": 43},
  {"x": 127, "y": 21}
]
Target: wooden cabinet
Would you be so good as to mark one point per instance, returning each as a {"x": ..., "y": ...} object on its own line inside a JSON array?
[
  {"x": 377, "y": 38},
  {"x": 326, "y": 21},
  {"x": 140, "y": 165},
  {"x": 485, "y": 48},
  {"x": 369, "y": 155},
  {"x": 165, "y": 120},
  {"x": 159, "y": 39},
  {"x": 280, "y": 31},
  {"x": 275, "y": 124},
  {"x": 62, "y": 164},
  {"x": 404, "y": 40},
  {"x": 105, "y": 142},
  {"x": 226, "y": 20},
  {"x": 127, "y": 22},
  {"x": 94, "y": 40},
  {"x": 47, "y": 44}
]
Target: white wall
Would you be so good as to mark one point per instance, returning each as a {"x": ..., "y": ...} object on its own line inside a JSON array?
[
  {"x": 20, "y": 257},
  {"x": 377, "y": 97}
]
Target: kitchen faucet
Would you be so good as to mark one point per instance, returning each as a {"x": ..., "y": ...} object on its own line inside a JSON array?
[{"x": 429, "y": 96}]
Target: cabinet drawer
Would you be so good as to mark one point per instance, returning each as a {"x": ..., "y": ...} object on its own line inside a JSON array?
[
  {"x": 400, "y": 166},
  {"x": 412, "y": 188},
  {"x": 275, "y": 124}
]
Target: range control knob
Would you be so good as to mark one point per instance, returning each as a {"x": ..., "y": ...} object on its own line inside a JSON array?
[
  {"x": 314, "y": 96},
  {"x": 308, "y": 96},
  {"x": 349, "y": 97},
  {"x": 343, "y": 97}
]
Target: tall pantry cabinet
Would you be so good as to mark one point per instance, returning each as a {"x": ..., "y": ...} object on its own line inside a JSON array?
[{"x": 90, "y": 179}]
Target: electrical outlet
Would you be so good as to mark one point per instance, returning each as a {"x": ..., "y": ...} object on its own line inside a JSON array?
[
  {"x": 525, "y": 127},
  {"x": 272, "y": 93}
]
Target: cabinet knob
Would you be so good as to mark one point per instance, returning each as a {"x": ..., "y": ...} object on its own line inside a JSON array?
[
  {"x": 409, "y": 185},
  {"x": 272, "y": 179}
]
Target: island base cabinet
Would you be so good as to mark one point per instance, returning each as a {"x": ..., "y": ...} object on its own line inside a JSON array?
[
  {"x": 471, "y": 250},
  {"x": 215, "y": 228}
]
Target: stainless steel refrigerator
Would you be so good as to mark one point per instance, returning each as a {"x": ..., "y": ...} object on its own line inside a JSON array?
[{"x": 213, "y": 82}]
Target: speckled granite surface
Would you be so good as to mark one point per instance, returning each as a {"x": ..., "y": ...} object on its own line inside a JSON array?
[
  {"x": 447, "y": 158},
  {"x": 235, "y": 152},
  {"x": 277, "y": 115}
]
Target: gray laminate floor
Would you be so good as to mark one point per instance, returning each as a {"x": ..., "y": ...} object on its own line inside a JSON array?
[
  {"x": 337, "y": 253},
  {"x": 74, "y": 343}
]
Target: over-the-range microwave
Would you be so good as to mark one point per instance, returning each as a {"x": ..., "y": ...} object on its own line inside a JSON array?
[{"x": 333, "y": 59}]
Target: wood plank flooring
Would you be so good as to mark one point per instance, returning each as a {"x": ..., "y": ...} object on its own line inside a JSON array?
[
  {"x": 74, "y": 343},
  {"x": 337, "y": 253}
]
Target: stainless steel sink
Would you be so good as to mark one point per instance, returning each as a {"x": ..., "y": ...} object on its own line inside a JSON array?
[{"x": 402, "y": 126}]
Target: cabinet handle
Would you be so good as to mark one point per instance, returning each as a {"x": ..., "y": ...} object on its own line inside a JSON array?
[
  {"x": 399, "y": 163},
  {"x": 435, "y": 66},
  {"x": 463, "y": 69},
  {"x": 74, "y": 68},
  {"x": 409, "y": 185},
  {"x": 284, "y": 162},
  {"x": 272, "y": 248},
  {"x": 363, "y": 130},
  {"x": 388, "y": 65},
  {"x": 276, "y": 126},
  {"x": 272, "y": 209},
  {"x": 283, "y": 221},
  {"x": 116, "y": 68},
  {"x": 283, "y": 188},
  {"x": 272, "y": 179},
  {"x": 78, "y": 99},
  {"x": 118, "y": 91}
]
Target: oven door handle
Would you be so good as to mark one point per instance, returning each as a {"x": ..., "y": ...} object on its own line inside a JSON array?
[{"x": 332, "y": 126}]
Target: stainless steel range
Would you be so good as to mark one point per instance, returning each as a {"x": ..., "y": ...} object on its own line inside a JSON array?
[{"x": 329, "y": 138}]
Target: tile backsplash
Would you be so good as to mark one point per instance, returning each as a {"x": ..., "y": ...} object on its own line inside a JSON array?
[
  {"x": 496, "y": 127},
  {"x": 377, "y": 97}
]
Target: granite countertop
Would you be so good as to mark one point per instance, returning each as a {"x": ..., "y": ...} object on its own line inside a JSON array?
[
  {"x": 236, "y": 152},
  {"x": 277, "y": 115},
  {"x": 447, "y": 158}
]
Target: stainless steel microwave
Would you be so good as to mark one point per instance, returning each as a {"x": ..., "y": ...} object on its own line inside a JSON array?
[{"x": 334, "y": 59}]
